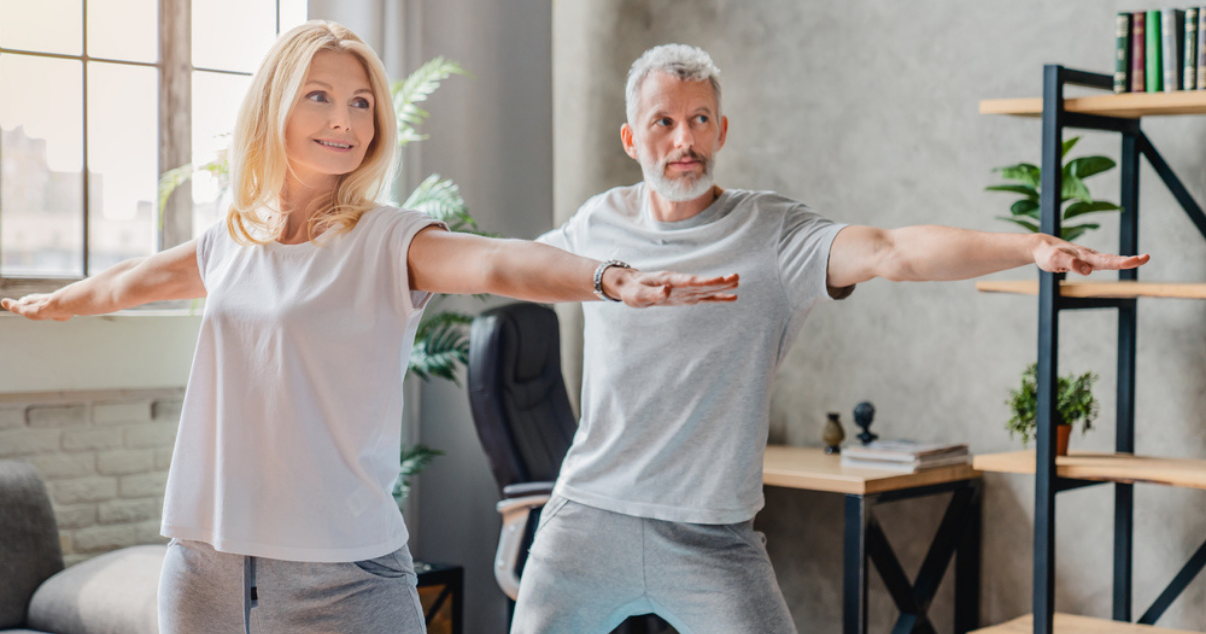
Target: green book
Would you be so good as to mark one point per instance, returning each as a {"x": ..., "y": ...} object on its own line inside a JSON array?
[
  {"x": 1154, "y": 71},
  {"x": 1122, "y": 53},
  {"x": 1189, "y": 75}
]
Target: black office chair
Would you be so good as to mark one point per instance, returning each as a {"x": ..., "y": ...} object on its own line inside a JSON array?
[{"x": 524, "y": 420}]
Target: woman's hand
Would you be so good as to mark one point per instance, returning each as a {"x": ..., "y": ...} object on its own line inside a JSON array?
[
  {"x": 170, "y": 274},
  {"x": 663, "y": 288},
  {"x": 37, "y": 307}
]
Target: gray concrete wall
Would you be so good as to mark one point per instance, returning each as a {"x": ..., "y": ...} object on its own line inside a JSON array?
[
  {"x": 867, "y": 111},
  {"x": 491, "y": 134}
]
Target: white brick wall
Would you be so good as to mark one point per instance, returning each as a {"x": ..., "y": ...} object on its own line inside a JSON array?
[{"x": 104, "y": 457}]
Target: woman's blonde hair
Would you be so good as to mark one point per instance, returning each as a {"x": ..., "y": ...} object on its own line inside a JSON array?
[{"x": 258, "y": 160}]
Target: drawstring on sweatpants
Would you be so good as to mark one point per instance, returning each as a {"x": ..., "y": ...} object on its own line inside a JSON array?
[{"x": 250, "y": 596}]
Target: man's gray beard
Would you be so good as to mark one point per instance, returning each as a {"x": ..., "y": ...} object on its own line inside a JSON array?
[{"x": 678, "y": 190}]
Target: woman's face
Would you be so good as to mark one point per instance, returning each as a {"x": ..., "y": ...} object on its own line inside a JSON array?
[{"x": 332, "y": 122}]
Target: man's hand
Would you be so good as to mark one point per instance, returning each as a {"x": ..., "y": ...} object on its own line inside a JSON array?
[
  {"x": 930, "y": 253},
  {"x": 36, "y": 307},
  {"x": 661, "y": 288},
  {"x": 1057, "y": 256}
]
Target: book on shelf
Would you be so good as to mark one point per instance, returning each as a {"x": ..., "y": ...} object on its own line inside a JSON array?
[
  {"x": 1189, "y": 72},
  {"x": 1138, "y": 47},
  {"x": 1162, "y": 50},
  {"x": 1172, "y": 34},
  {"x": 1201, "y": 49},
  {"x": 1122, "y": 53},
  {"x": 1154, "y": 73},
  {"x": 904, "y": 467}
]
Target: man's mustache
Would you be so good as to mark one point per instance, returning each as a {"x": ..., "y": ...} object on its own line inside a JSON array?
[{"x": 685, "y": 154}]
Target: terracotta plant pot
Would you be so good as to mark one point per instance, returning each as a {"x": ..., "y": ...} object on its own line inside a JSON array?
[{"x": 1062, "y": 432}]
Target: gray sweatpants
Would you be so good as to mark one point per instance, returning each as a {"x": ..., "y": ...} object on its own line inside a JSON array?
[
  {"x": 205, "y": 591},
  {"x": 590, "y": 569}
]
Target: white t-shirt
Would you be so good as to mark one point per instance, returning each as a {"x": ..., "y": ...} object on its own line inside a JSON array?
[
  {"x": 676, "y": 401},
  {"x": 290, "y": 432}
]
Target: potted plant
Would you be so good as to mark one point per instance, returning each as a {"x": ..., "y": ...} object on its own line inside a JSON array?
[
  {"x": 1075, "y": 403},
  {"x": 1025, "y": 212},
  {"x": 442, "y": 340}
]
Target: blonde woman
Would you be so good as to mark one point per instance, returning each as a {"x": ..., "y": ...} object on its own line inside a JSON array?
[{"x": 278, "y": 500}]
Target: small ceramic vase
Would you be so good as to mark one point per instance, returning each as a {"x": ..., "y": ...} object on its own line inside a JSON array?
[{"x": 833, "y": 435}]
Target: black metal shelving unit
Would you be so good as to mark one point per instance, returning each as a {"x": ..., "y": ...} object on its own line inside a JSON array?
[{"x": 1047, "y": 482}]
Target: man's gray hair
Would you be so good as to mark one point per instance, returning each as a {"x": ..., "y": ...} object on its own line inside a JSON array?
[{"x": 685, "y": 62}]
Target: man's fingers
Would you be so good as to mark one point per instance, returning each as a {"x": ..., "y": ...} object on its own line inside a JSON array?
[
  {"x": 683, "y": 280},
  {"x": 1106, "y": 262}
]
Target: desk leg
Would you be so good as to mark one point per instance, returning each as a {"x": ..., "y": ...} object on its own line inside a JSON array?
[
  {"x": 967, "y": 565},
  {"x": 854, "y": 578}
]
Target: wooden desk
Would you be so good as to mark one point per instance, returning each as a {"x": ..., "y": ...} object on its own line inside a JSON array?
[{"x": 811, "y": 469}]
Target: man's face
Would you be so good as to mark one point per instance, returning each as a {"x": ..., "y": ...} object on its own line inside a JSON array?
[{"x": 676, "y": 135}]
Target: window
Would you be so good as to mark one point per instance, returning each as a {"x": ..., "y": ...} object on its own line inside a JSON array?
[{"x": 97, "y": 98}]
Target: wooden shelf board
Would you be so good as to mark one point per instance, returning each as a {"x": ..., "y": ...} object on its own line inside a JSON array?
[
  {"x": 1073, "y": 624},
  {"x": 1099, "y": 289},
  {"x": 1105, "y": 467},
  {"x": 1126, "y": 105},
  {"x": 812, "y": 469}
]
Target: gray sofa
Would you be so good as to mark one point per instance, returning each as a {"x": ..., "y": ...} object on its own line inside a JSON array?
[{"x": 110, "y": 594}]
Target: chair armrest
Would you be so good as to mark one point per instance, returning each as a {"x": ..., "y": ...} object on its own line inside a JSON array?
[
  {"x": 515, "y": 512},
  {"x": 527, "y": 488}
]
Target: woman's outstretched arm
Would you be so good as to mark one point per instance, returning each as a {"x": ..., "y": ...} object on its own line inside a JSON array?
[
  {"x": 170, "y": 274},
  {"x": 444, "y": 262}
]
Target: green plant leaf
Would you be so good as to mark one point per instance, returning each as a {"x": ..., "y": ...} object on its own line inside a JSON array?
[
  {"x": 441, "y": 346},
  {"x": 1087, "y": 166},
  {"x": 1024, "y": 190},
  {"x": 441, "y": 199},
  {"x": 1081, "y": 208},
  {"x": 1075, "y": 403},
  {"x": 1075, "y": 231},
  {"x": 1025, "y": 207},
  {"x": 169, "y": 181},
  {"x": 1068, "y": 145},
  {"x": 1075, "y": 189},
  {"x": 1024, "y": 172},
  {"x": 1028, "y": 225},
  {"x": 414, "y": 459},
  {"x": 415, "y": 89}
]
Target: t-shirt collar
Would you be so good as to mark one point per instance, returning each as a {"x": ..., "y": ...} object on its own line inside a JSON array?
[{"x": 717, "y": 209}]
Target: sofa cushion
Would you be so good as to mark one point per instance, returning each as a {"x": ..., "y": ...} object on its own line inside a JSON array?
[
  {"x": 29, "y": 540},
  {"x": 115, "y": 592}
]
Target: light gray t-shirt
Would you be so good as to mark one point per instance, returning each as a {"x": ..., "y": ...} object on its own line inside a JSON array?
[{"x": 676, "y": 401}]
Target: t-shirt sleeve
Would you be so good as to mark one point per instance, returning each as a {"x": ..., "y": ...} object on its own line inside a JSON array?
[
  {"x": 805, "y": 239},
  {"x": 403, "y": 230},
  {"x": 207, "y": 244},
  {"x": 566, "y": 236}
]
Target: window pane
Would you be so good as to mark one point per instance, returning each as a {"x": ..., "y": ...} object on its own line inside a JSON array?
[
  {"x": 47, "y": 26},
  {"x": 41, "y": 158},
  {"x": 216, "y": 99},
  {"x": 124, "y": 29},
  {"x": 123, "y": 157},
  {"x": 223, "y": 43},
  {"x": 293, "y": 13}
]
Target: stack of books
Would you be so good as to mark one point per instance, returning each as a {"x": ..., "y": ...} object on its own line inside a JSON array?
[
  {"x": 904, "y": 456},
  {"x": 1160, "y": 51}
]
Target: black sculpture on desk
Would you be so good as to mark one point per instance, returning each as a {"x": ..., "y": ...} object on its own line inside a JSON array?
[{"x": 863, "y": 414}]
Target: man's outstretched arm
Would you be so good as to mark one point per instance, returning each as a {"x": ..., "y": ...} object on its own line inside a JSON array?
[{"x": 933, "y": 253}]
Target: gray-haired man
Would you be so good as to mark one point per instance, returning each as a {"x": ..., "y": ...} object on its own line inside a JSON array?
[{"x": 653, "y": 510}]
